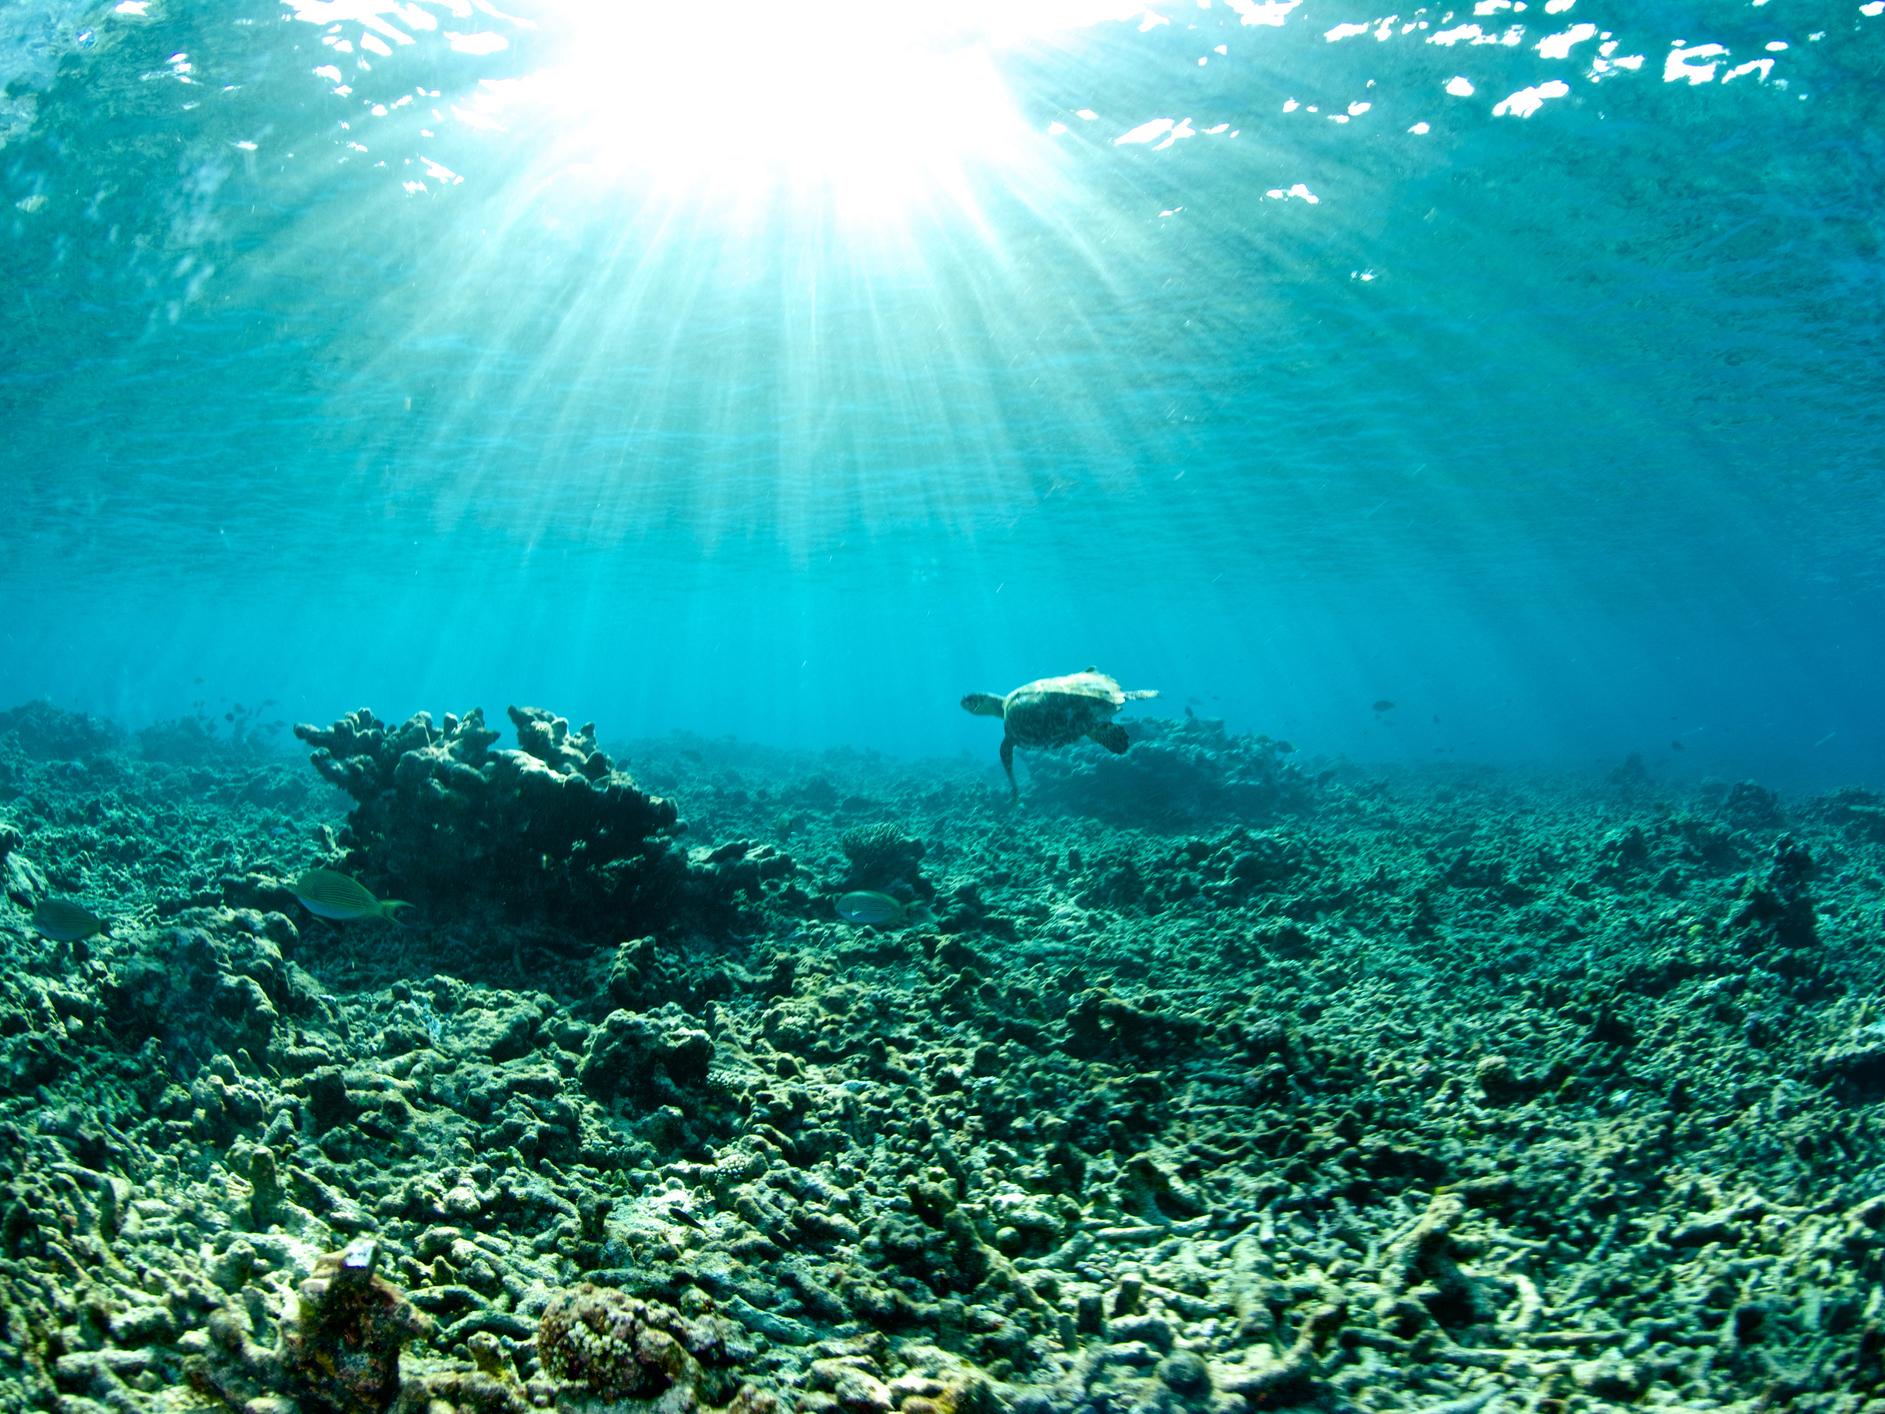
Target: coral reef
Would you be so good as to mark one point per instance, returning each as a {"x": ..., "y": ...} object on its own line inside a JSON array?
[{"x": 1451, "y": 1090}]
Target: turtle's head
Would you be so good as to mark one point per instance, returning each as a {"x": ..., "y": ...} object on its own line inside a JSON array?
[{"x": 982, "y": 704}]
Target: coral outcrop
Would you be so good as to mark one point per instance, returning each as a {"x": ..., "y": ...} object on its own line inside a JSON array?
[
  {"x": 1189, "y": 773},
  {"x": 340, "y": 1347},
  {"x": 20, "y": 879},
  {"x": 39, "y": 729},
  {"x": 547, "y": 830},
  {"x": 220, "y": 983},
  {"x": 649, "y": 1058}
]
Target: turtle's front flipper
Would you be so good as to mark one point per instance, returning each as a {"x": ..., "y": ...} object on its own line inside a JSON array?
[
  {"x": 1007, "y": 764},
  {"x": 1110, "y": 735}
]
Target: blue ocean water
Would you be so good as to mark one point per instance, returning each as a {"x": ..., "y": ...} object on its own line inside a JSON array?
[{"x": 788, "y": 373}]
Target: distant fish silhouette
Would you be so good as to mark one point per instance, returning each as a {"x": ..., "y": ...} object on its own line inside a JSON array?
[
  {"x": 1384, "y": 705},
  {"x": 1677, "y": 746}
]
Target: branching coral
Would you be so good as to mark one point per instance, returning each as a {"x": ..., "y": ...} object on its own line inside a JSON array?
[{"x": 881, "y": 855}]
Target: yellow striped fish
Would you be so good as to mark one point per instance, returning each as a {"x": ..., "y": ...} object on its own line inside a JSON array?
[
  {"x": 64, "y": 921},
  {"x": 327, "y": 894}
]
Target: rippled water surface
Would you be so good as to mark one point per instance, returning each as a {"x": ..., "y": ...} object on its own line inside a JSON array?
[{"x": 789, "y": 373}]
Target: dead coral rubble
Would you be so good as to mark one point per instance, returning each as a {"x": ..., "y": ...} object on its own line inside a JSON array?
[{"x": 1468, "y": 1095}]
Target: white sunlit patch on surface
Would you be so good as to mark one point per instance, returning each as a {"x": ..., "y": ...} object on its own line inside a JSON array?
[
  {"x": 878, "y": 114},
  {"x": 1528, "y": 101},
  {"x": 874, "y": 108},
  {"x": 775, "y": 98}
]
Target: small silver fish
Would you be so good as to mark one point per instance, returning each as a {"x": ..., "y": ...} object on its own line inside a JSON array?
[
  {"x": 64, "y": 921},
  {"x": 341, "y": 899},
  {"x": 869, "y": 909}
]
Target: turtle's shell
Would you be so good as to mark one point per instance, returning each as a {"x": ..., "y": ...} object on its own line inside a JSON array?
[{"x": 1056, "y": 711}]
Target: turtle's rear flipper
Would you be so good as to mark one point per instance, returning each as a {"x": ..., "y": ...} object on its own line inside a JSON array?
[
  {"x": 1007, "y": 764},
  {"x": 1110, "y": 735}
]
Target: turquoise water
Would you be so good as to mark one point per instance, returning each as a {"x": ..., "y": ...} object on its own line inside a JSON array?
[{"x": 791, "y": 377}]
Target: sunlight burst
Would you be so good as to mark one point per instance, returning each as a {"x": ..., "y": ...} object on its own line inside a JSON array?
[{"x": 873, "y": 108}]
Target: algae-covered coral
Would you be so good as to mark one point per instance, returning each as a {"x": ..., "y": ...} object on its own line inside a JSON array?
[{"x": 1416, "y": 1090}]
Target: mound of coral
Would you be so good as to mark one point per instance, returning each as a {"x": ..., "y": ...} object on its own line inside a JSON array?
[
  {"x": 1179, "y": 774},
  {"x": 548, "y": 831}
]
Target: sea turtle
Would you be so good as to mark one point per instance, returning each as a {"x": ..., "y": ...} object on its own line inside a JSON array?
[{"x": 1055, "y": 712}]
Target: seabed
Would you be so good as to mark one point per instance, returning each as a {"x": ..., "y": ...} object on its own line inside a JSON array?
[{"x": 1206, "y": 1080}]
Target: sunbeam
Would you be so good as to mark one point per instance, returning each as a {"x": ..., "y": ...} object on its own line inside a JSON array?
[{"x": 761, "y": 260}]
